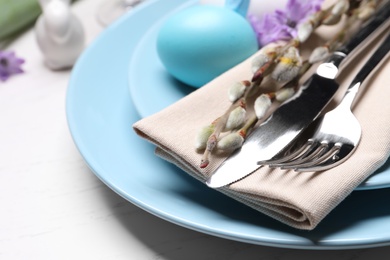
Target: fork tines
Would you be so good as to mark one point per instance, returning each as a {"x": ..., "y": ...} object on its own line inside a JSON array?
[{"x": 312, "y": 156}]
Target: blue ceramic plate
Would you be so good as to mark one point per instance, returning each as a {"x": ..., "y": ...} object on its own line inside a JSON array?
[
  {"x": 152, "y": 89},
  {"x": 100, "y": 115}
]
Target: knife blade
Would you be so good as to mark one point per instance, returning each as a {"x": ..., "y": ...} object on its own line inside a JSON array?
[{"x": 294, "y": 115}]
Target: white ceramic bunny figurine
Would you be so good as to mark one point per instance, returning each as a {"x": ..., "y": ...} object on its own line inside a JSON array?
[{"x": 59, "y": 33}]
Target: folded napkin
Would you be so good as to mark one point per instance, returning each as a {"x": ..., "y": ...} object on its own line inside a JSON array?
[{"x": 300, "y": 200}]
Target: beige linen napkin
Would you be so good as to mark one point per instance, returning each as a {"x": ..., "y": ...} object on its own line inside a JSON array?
[{"x": 300, "y": 200}]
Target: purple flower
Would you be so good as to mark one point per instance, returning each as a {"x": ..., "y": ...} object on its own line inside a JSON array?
[
  {"x": 9, "y": 65},
  {"x": 282, "y": 24}
]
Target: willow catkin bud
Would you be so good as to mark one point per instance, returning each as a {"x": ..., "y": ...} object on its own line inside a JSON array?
[
  {"x": 283, "y": 94},
  {"x": 365, "y": 12},
  {"x": 262, "y": 104},
  {"x": 202, "y": 137},
  {"x": 305, "y": 29},
  {"x": 266, "y": 54},
  {"x": 339, "y": 8},
  {"x": 259, "y": 61},
  {"x": 319, "y": 54},
  {"x": 288, "y": 66},
  {"x": 236, "y": 118},
  {"x": 237, "y": 90},
  {"x": 230, "y": 142}
]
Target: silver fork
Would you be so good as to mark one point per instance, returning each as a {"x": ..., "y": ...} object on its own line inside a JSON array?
[{"x": 337, "y": 133}]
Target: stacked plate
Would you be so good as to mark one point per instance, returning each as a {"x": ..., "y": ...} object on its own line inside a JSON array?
[{"x": 119, "y": 80}]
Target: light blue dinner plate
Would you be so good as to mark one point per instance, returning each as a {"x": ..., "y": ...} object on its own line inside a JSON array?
[
  {"x": 100, "y": 116},
  {"x": 152, "y": 88}
]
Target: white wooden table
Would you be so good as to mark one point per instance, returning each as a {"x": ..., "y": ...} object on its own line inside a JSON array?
[{"x": 53, "y": 206}]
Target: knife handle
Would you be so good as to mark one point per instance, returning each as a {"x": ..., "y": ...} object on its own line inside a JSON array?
[
  {"x": 365, "y": 71},
  {"x": 378, "y": 19},
  {"x": 374, "y": 60}
]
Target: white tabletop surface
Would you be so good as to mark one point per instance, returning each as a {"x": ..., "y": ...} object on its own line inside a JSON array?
[{"x": 53, "y": 206}]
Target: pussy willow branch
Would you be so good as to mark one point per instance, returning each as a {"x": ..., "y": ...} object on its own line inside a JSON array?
[{"x": 254, "y": 87}]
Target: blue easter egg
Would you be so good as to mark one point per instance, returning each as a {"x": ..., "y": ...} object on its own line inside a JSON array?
[{"x": 200, "y": 43}]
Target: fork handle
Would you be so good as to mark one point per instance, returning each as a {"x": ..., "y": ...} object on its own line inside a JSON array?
[
  {"x": 378, "y": 19},
  {"x": 365, "y": 71}
]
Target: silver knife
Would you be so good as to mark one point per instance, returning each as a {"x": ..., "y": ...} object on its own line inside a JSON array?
[{"x": 291, "y": 118}]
